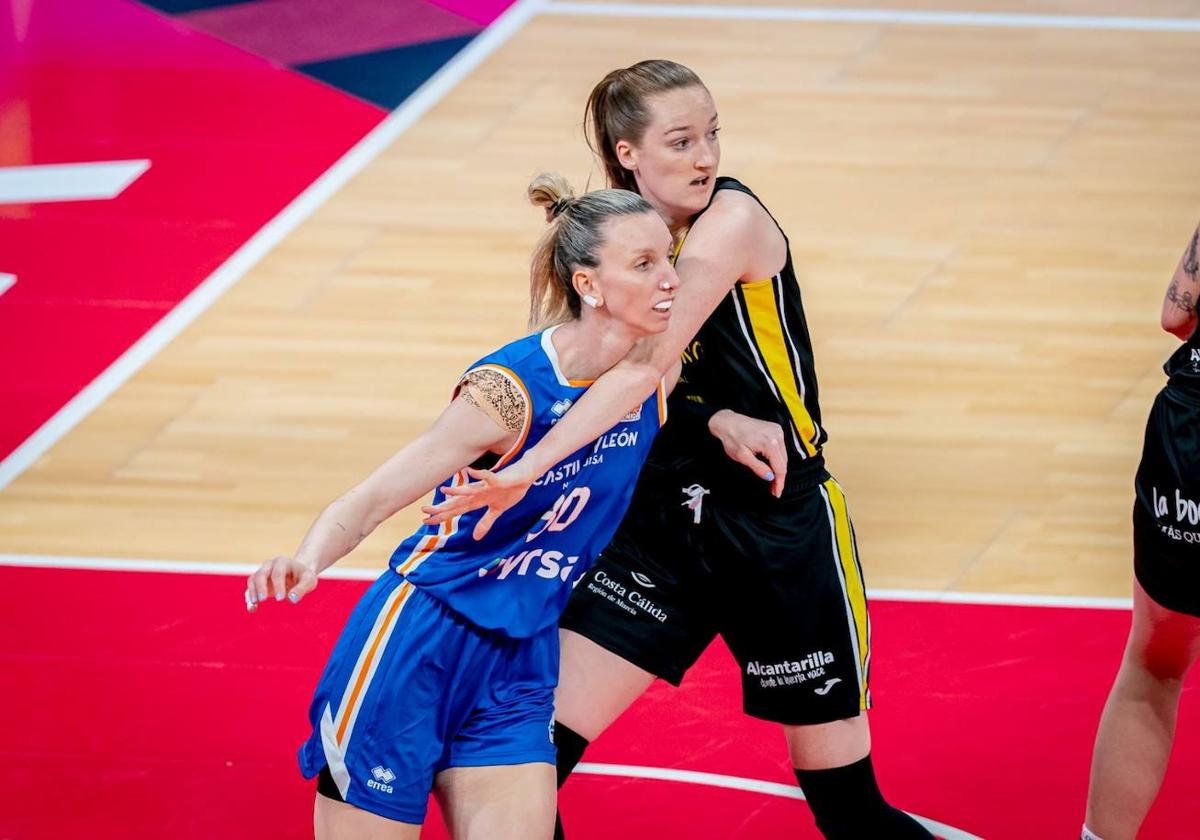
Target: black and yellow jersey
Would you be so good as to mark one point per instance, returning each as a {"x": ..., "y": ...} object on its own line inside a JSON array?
[{"x": 754, "y": 356}]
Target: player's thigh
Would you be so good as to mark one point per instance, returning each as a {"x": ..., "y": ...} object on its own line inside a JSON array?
[
  {"x": 595, "y": 685},
  {"x": 643, "y": 611},
  {"x": 334, "y": 820},
  {"x": 512, "y": 802}
]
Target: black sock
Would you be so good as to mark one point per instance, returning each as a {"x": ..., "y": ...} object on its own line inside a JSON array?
[
  {"x": 570, "y": 746},
  {"x": 847, "y": 805}
]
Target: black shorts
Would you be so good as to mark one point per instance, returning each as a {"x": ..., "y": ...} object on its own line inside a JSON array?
[
  {"x": 778, "y": 579},
  {"x": 1166, "y": 516}
]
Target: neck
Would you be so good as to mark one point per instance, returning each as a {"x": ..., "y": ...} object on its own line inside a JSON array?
[
  {"x": 590, "y": 345},
  {"x": 677, "y": 221}
]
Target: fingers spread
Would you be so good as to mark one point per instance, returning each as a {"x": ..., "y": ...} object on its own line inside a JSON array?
[{"x": 485, "y": 523}]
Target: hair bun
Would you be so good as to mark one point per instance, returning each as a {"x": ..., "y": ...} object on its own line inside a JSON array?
[
  {"x": 561, "y": 206},
  {"x": 552, "y": 192}
]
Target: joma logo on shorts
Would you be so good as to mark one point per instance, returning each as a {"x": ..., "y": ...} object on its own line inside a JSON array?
[{"x": 773, "y": 669}]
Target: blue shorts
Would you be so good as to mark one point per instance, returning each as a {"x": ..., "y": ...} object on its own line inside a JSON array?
[{"x": 413, "y": 688}]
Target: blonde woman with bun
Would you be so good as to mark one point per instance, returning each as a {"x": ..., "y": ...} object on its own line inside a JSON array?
[{"x": 443, "y": 678}]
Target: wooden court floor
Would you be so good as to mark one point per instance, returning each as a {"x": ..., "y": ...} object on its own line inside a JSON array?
[{"x": 983, "y": 220}]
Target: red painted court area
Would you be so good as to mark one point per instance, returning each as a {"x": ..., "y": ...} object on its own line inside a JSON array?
[
  {"x": 149, "y": 705},
  {"x": 230, "y": 138}
]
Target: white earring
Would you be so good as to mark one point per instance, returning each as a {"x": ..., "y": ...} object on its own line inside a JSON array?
[{"x": 591, "y": 301}]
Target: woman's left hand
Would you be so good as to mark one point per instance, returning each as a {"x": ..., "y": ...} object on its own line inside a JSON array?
[
  {"x": 496, "y": 492},
  {"x": 756, "y": 444}
]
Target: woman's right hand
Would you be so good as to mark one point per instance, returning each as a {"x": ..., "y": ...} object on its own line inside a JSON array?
[
  {"x": 281, "y": 577},
  {"x": 757, "y": 444}
]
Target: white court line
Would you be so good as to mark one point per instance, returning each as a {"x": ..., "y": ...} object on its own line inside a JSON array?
[
  {"x": 1003, "y": 599},
  {"x": 68, "y": 181},
  {"x": 884, "y": 16},
  {"x": 307, "y": 203},
  {"x": 7, "y": 281},
  {"x": 694, "y": 777},
  {"x": 113, "y": 564},
  {"x": 417, "y": 105},
  {"x": 190, "y": 567}
]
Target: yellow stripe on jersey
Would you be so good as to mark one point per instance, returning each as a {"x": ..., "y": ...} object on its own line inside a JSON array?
[
  {"x": 763, "y": 311},
  {"x": 679, "y": 245},
  {"x": 856, "y": 593}
]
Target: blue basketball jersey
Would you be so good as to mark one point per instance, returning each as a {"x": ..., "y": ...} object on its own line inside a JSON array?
[{"x": 517, "y": 579}]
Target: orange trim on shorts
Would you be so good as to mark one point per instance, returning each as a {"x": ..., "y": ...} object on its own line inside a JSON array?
[{"x": 405, "y": 591}]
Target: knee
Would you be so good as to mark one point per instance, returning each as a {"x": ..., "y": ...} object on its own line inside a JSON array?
[
  {"x": 833, "y": 744},
  {"x": 1162, "y": 665},
  {"x": 847, "y": 805}
]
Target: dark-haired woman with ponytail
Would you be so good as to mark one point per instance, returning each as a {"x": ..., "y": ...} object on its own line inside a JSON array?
[
  {"x": 765, "y": 556},
  {"x": 443, "y": 678}
]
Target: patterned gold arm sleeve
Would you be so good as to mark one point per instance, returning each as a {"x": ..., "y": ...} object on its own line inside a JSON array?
[{"x": 496, "y": 396}]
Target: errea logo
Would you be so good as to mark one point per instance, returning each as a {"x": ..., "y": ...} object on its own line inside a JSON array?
[
  {"x": 560, "y": 407},
  {"x": 383, "y": 779}
]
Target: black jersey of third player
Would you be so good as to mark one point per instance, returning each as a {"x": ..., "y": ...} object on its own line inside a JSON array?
[
  {"x": 754, "y": 356},
  {"x": 1183, "y": 368}
]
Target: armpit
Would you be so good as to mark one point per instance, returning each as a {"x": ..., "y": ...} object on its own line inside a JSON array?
[{"x": 497, "y": 396}]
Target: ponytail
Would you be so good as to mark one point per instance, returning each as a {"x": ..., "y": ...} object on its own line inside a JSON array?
[{"x": 617, "y": 109}]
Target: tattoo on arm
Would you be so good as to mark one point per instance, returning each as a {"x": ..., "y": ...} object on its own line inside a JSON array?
[
  {"x": 496, "y": 395},
  {"x": 1183, "y": 300},
  {"x": 1191, "y": 264}
]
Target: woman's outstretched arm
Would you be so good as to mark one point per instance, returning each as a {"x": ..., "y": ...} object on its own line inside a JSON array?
[{"x": 461, "y": 435}]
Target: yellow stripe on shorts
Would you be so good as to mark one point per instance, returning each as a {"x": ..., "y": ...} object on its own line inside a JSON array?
[{"x": 856, "y": 593}]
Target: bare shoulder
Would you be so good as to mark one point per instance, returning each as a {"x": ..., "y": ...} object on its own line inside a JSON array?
[
  {"x": 736, "y": 220},
  {"x": 736, "y": 211}
]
